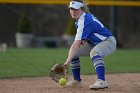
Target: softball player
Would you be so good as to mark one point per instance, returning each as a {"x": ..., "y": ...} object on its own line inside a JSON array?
[{"x": 92, "y": 39}]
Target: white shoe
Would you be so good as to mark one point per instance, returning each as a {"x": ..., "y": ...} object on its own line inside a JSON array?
[
  {"x": 99, "y": 84},
  {"x": 74, "y": 83}
]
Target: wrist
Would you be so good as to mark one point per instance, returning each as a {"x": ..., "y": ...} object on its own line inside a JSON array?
[{"x": 66, "y": 64}]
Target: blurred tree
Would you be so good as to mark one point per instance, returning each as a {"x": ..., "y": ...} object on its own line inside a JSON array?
[
  {"x": 70, "y": 32},
  {"x": 24, "y": 25}
]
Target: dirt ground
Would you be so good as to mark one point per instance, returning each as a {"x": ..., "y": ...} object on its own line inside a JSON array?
[{"x": 118, "y": 83}]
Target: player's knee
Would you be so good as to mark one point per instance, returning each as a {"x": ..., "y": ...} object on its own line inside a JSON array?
[
  {"x": 93, "y": 53},
  {"x": 95, "y": 56}
]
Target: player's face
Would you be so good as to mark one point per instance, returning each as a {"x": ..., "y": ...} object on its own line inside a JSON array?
[{"x": 75, "y": 13}]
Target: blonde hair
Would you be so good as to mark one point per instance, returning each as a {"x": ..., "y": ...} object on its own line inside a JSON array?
[{"x": 85, "y": 7}]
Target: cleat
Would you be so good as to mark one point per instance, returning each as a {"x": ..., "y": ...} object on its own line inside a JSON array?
[
  {"x": 99, "y": 84},
  {"x": 74, "y": 83}
]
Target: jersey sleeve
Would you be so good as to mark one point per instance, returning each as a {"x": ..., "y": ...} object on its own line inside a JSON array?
[{"x": 83, "y": 31}]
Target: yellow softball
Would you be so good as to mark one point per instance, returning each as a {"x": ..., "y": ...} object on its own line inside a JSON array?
[{"x": 62, "y": 81}]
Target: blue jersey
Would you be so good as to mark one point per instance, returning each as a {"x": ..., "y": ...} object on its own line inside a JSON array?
[{"x": 91, "y": 29}]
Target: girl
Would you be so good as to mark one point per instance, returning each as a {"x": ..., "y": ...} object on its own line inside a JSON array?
[{"x": 92, "y": 39}]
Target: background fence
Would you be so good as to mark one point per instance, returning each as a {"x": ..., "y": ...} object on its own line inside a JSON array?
[{"x": 49, "y": 18}]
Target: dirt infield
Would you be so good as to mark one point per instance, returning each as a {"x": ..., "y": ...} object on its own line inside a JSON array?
[{"x": 118, "y": 83}]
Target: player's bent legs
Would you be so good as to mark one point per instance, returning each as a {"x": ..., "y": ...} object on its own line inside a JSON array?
[
  {"x": 75, "y": 63},
  {"x": 101, "y": 50},
  {"x": 75, "y": 67},
  {"x": 100, "y": 71}
]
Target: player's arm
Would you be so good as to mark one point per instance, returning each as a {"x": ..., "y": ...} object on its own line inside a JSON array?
[{"x": 73, "y": 50}]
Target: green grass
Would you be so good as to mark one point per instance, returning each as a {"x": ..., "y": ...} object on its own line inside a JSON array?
[
  {"x": 37, "y": 62},
  {"x": 124, "y": 61}
]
